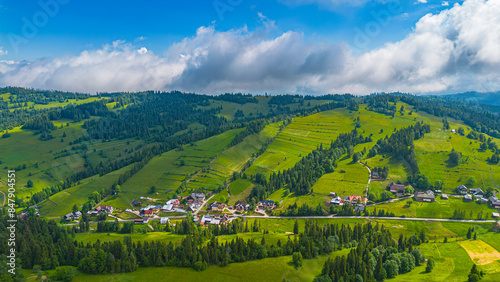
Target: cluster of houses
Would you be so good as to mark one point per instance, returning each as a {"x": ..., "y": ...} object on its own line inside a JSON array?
[
  {"x": 347, "y": 200},
  {"x": 145, "y": 220},
  {"x": 212, "y": 219},
  {"x": 216, "y": 207},
  {"x": 73, "y": 215},
  {"x": 101, "y": 209},
  {"x": 468, "y": 196},
  {"x": 170, "y": 206},
  {"x": 241, "y": 207},
  {"x": 194, "y": 201},
  {"x": 24, "y": 214}
]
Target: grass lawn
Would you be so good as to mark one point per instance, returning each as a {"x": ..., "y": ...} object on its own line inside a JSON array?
[
  {"x": 166, "y": 172},
  {"x": 352, "y": 182},
  {"x": 63, "y": 202},
  {"x": 439, "y": 209},
  {"x": 239, "y": 185}
]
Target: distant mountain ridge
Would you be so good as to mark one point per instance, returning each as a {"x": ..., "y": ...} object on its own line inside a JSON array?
[{"x": 489, "y": 98}]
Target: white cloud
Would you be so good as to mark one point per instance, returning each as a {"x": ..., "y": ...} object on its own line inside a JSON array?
[
  {"x": 2, "y": 52},
  {"x": 445, "y": 4},
  {"x": 422, "y": 1},
  {"x": 142, "y": 50},
  {"x": 455, "y": 50}
]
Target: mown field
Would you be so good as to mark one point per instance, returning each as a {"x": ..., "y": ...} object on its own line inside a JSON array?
[
  {"x": 171, "y": 169},
  {"x": 62, "y": 202},
  {"x": 433, "y": 155},
  {"x": 351, "y": 182},
  {"x": 439, "y": 209},
  {"x": 233, "y": 159}
]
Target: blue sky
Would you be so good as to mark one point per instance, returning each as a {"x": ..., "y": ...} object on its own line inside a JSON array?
[
  {"x": 323, "y": 46},
  {"x": 80, "y": 25}
]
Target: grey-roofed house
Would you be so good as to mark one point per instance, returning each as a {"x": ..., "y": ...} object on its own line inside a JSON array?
[
  {"x": 462, "y": 189},
  {"x": 425, "y": 197}
]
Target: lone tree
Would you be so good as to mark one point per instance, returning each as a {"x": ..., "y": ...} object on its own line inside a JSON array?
[
  {"x": 30, "y": 183},
  {"x": 152, "y": 189},
  {"x": 454, "y": 157},
  {"x": 297, "y": 259},
  {"x": 430, "y": 266},
  {"x": 475, "y": 274},
  {"x": 296, "y": 227}
]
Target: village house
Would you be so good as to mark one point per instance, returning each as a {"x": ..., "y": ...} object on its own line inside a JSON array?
[
  {"x": 164, "y": 220},
  {"x": 107, "y": 209},
  {"x": 375, "y": 174},
  {"x": 241, "y": 206},
  {"x": 444, "y": 196},
  {"x": 77, "y": 214},
  {"x": 427, "y": 196},
  {"x": 396, "y": 189},
  {"x": 495, "y": 215},
  {"x": 333, "y": 194},
  {"x": 477, "y": 192},
  {"x": 69, "y": 216},
  {"x": 359, "y": 209},
  {"x": 468, "y": 198},
  {"x": 217, "y": 207},
  {"x": 143, "y": 220},
  {"x": 462, "y": 189},
  {"x": 167, "y": 207},
  {"x": 336, "y": 201},
  {"x": 195, "y": 196},
  {"x": 353, "y": 200},
  {"x": 206, "y": 219},
  {"x": 494, "y": 202},
  {"x": 266, "y": 205}
]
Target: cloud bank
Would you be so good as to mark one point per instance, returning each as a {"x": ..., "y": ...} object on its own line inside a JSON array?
[{"x": 455, "y": 50}]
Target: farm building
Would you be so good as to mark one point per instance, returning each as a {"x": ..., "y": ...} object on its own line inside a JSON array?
[
  {"x": 477, "y": 192},
  {"x": 494, "y": 202},
  {"x": 69, "y": 216},
  {"x": 462, "y": 189},
  {"x": 495, "y": 215},
  {"x": 425, "y": 196},
  {"x": 266, "y": 205},
  {"x": 108, "y": 209},
  {"x": 215, "y": 206},
  {"x": 164, "y": 220},
  {"x": 396, "y": 189},
  {"x": 444, "y": 196},
  {"x": 336, "y": 201},
  {"x": 468, "y": 197}
]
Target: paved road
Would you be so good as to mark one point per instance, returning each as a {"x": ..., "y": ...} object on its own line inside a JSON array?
[
  {"x": 373, "y": 217},
  {"x": 201, "y": 206},
  {"x": 341, "y": 217}
]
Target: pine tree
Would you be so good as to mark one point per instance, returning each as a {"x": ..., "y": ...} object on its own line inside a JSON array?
[
  {"x": 430, "y": 266},
  {"x": 296, "y": 227},
  {"x": 380, "y": 273}
]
